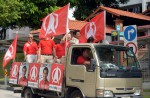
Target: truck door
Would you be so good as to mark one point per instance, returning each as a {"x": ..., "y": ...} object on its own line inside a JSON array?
[{"x": 78, "y": 74}]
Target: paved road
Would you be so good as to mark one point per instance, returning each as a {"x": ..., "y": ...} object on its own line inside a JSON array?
[{"x": 8, "y": 94}]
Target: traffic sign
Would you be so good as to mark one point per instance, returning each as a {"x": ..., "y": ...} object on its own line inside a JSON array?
[
  {"x": 134, "y": 47},
  {"x": 130, "y": 33}
]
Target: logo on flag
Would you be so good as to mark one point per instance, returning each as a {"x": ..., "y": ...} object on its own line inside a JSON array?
[
  {"x": 55, "y": 23},
  {"x": 15, "y": 71},
  {"x": 94, "y": 28},
  {"x": 33, "y": 72},
  {"x": 56, "y": 75},
  {"x": 52, "y": 21},
  {"x": 90, "y": 30},
  {"x": 9, "y": 53}
]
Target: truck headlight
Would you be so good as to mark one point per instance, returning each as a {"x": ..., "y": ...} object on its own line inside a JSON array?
[
  {"x": 137, "y": 92},
  {"x": 103, "y": 93},
  {"x": 108, "y": 94}
]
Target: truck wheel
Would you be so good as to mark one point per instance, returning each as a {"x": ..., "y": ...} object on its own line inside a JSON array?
[
  {"x": 28, "y": 93},
  {"x": 76, "y": 94}
]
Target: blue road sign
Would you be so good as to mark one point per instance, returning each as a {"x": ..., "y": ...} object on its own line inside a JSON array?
[{"x": 130, "y": 33}]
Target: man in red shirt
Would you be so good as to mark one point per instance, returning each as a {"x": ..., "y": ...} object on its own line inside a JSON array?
[
  {"x": 30, "y": 50},
  {"x": 84, "y": 59},
  {"x": 60, "y": 50},
  {"x": 23, "y": 80},
  {"x": 44, "y": 83},
  {"x": 46, "y": 51}
]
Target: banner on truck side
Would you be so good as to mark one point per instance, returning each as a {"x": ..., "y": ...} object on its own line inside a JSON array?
[
  {"x": 33, "y": 74},
  {"x": 56, "y": 77},
  {"x": 44, "y": 76},
  {"x": 14, "y": 72},
  {"x": 23, "y": 74}
]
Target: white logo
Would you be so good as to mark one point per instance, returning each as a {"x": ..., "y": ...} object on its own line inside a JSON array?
[
  {"x": 33, "y": 72},
  {"x": 52, "y": 23},
  {"x": 15, "y": 70},
  {"x": 90, "y": 30},
  {"x": 9, "y": 53},
  {"x": 56, "y": 75}
]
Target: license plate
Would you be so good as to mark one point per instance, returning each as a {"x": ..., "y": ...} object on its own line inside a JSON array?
[{"x": 125, "y": 97}]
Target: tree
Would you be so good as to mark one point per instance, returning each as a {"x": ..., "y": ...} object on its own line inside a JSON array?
[
  {"x": 83, "y": 8},
  {"x": 10, "y": 12}
]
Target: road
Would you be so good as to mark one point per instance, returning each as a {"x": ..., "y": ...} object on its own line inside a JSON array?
[{"x": 8, "y": 94}]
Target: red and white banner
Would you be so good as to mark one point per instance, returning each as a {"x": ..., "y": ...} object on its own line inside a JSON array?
[
  {"x": 44, "y": 76},
  {"x": 33, "y": 78},
  {"x": 14, "y": 72},
  {"x": 11, "y": 52},
  {"x": 56, "y": 77},
  {"x": 55, "y": 23},
  {"x": 95, "y": 28},
  {"x": 23, "y": 74}
]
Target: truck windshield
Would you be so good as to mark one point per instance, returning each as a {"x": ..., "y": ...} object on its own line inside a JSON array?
[{"x": 116, "y": 57}]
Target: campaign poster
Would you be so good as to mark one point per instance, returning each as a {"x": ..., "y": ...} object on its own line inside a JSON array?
[
  {"x": 56, "y": 77},
  {"x": 44, "y": 76},
  {"x": 14, "y": 72},
  {"x": 33, "y": 75},
  {"x": 23, "y": 74}
]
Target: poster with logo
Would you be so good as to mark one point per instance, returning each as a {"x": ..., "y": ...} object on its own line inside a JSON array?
[
  {"x": 23, "y": 74},
  {"x": 33, "y": 75},
  {"x": 14, "y": 72},
  {"x": 56, "y": 77},
  {"x": 44, "y": 76}
]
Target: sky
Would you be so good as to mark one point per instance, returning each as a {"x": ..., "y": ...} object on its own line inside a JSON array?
[{"x": 71, "y": 10}]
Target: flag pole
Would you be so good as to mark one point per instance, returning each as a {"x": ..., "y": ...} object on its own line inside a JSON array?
[
  {"x": 14, "y": 59},
  {"x": 67, "y": 31}
]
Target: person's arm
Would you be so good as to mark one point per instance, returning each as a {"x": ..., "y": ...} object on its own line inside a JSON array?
[
  {"x": 39, "y": 55},
  {"x": 87, "y": 63},
  {"x": 25, "y": 56}
]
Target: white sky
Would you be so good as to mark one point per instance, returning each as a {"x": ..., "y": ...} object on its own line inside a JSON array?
[{"x": 71, "y": 10}]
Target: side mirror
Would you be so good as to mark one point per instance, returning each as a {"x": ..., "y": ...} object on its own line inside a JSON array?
[{"x": 92, "y": 65}]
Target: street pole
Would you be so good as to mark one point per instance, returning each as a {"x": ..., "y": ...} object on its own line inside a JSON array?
[
  {"x": 118, "y": 33},
  {"x": 6, "y": 78}
]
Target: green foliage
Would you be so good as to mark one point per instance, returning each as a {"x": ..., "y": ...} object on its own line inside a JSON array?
[
  {"x": 10, "y": 12},
  {"x": 85, "y": 7}
]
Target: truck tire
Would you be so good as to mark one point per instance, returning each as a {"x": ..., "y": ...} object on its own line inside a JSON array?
[
  {"x": 28, "y": 93},
  {"x": 76, "y": 94}
]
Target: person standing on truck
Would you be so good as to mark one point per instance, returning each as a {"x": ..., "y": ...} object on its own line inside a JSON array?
[
  {"x": 90, "y": 40},
  {"x": 44, "y": 83},
  {"x": 84, "y": 59},
  {"x": 75, "y": 38},
  {"x": 46, "y": 53},
  {"x": 30, "y": 50},
  {"x": 60, "y": 50}
]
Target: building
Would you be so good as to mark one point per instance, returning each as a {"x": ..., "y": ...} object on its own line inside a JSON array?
[{"x": 136, "y": 6}]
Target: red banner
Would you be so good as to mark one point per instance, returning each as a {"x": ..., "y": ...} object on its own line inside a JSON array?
[
  {"x": 23, "y": 74},
  {"x": 56, "y": 77},
  {"x": 14, "y": 72},
  {"x": 33, "y": 75},
  {"x": 44, "y": 76}
]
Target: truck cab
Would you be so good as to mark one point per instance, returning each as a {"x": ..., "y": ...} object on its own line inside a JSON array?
[{"x": 114, "y": 71}]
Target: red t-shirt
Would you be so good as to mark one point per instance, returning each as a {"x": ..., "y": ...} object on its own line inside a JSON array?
[
  {"x": 60, "y": 50},
  {"x": 30, "y": 48},
  {"x": 81, "y": 60},
  {"x": 44, "y": 84},
  {"x": 23, "y": 81},
  {"x": 46, "y": 46}
]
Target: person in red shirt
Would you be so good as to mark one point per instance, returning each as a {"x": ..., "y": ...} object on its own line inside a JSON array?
[
  {"x": 23, "y": 80},
  {"x": 46, "y": 51},
  {"x": 44, "y": 83},
  {"x": 84, "y": 59},
  {"x": 60, "y": 50},
  {"x": 30, "y": 50}
]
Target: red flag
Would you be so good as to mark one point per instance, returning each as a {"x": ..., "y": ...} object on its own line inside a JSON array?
[
  {"x": 11, "y": 52},
  {"x": 55, "y": 23},
  {"x": 95, "y": 28}
]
